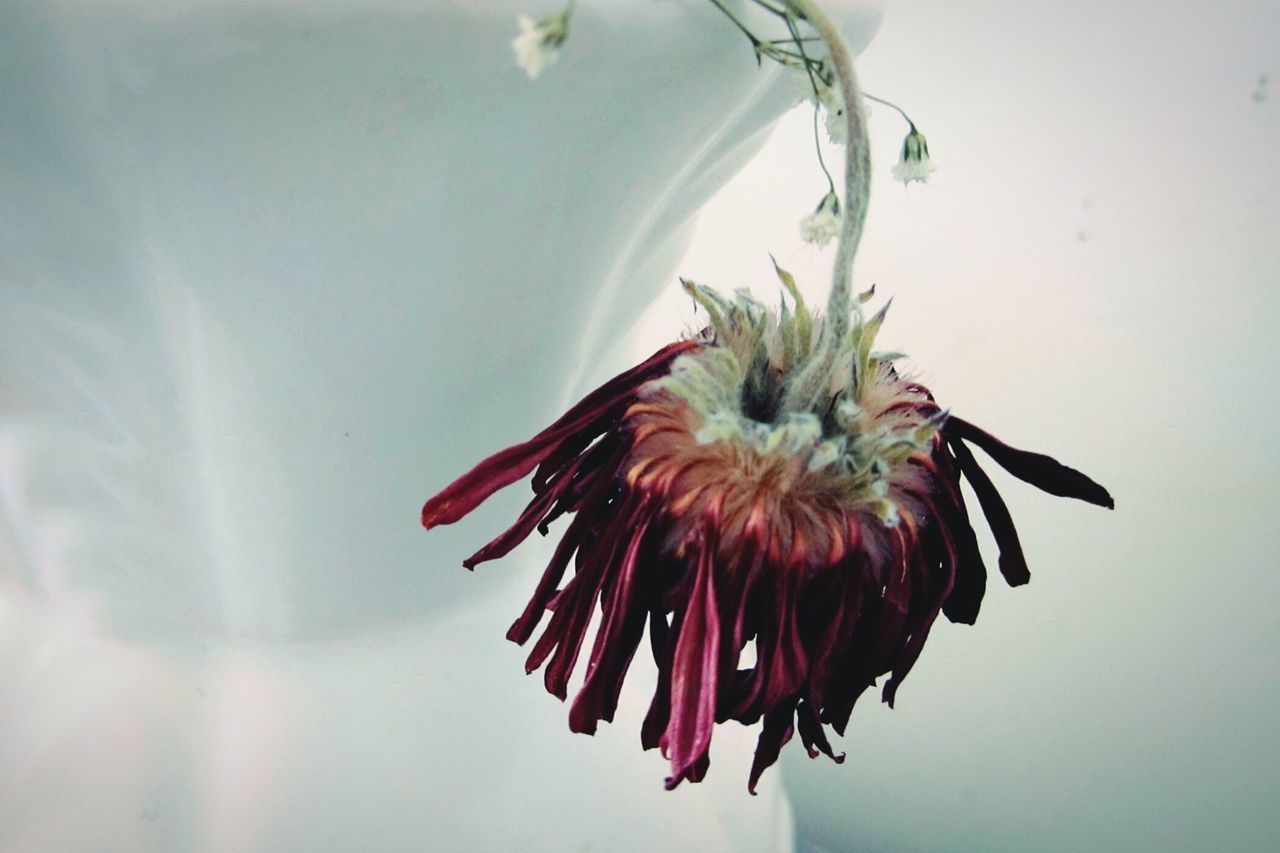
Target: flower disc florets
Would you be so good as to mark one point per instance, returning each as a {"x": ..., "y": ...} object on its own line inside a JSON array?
[
  {"x": 851, "y": 451},
  {"x": 827, "y": 539}
]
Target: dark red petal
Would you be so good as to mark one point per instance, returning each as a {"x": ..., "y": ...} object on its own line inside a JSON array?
[
  {"x": 1043, "y": 472},
  {"x": 697, "y": 771},
  {"x": 897, "y": 586},
  {"x": 571, "y": 614},
  {"x": 775, "y": 656},
  {"x": 619, "y": 633},
  {"x": 1013, "y": 565},
  {"x": 965, "y": 600},
  {"x": 577, "y": 601},
  {"x": 848, "y": 594},
  {"x": 880, "y": 633},
  {"x": 693, "y": 673},
  {"x": 812, "y": 735},
  {"x": 759, "y": 551},
  {"x": 660, "y": 633},
  {"x": 601, "y": 461},
  {"x": 522, "y": 629},
  {"x": 774, "y": 734},
  {"x": 532, "y": 516},
  {"x": 937, "y": 573},
  {"x": 735, "y": 590},
  {"x": 596, "y": 413},
  {"x": 788, "y": 663}
]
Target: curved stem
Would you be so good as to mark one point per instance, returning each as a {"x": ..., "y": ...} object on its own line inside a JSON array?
[
  {"x": 857, "y": 175},
  {"x": 755, "y": 42},
  {"x": 814, "y": 378},
  {"x": 809, "y": 65}
]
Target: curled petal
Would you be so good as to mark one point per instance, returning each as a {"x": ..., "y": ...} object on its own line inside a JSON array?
[
  {"x": 595, "y": 413},
  {"x": 1043, "y": 472},
  {"x": 540, "y": 509},
  {"x": 970, "y": 584},
  {"x": 774, "y": 734},
  {"x": 811, "y": 734},
  {"x": 660, "y": 633},
  {"x": 574, "y": 537},
  {"x": 1013, "y": 565},
  {"x": 693, "y": 678},
  {"x": 826, "y": 542},
  {"x": 620, "y": 631}
]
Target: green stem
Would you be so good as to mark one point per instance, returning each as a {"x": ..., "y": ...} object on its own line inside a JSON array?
[
  {"x": 891, "y": 105},
  {"x": 810, "y": 386},
  {"x": 755, "y": 42},
  {"x": 817, "y": 147},
  {"x": 780, "y": 11},
  {"x": 795, "y": 41}
]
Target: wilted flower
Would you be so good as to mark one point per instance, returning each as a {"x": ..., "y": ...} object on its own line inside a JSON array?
[
  {"x": 824, "y": 223},
  {"x": 914, "y": 163},
  {"x": 828, "y": 538},
  {"x": 538, "y": 45}
]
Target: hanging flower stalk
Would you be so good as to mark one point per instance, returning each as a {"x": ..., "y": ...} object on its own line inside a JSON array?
[{"x": 774, "y": 483}]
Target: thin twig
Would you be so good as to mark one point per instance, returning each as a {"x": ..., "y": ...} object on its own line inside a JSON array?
[{"x": 891, "y": 105}]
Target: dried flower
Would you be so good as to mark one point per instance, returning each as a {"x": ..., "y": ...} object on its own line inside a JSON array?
[
  {"x": 822, "y": 89},
  {"x": 828, "y": 539},
  {"x": 538, "y": 45},
  {"x": 914, "y": 163},
  {"x": 824, "y": 223}
]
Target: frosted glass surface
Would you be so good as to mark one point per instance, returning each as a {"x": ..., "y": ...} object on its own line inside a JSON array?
[{"x": 270, "y": 274}]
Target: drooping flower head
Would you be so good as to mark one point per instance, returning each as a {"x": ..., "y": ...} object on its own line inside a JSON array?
[
  {"x": 783, "y": 559},
  {"x": 772, "y": 499}
]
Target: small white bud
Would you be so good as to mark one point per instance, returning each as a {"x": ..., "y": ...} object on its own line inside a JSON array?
[
  {"x": 914, "y": 164},
  {"x": 538, "y": 45},
  {"x": 824, "y": 223}
]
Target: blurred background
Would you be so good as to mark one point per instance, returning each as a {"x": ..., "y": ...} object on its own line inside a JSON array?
[{"x": 1093, "y": 273}]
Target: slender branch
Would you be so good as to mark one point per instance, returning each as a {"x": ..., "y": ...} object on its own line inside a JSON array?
[
  {"x": 780, "y": 11},
  {"x": 808, "y": 68},
  {"x": 773, "y": 50},
  {"x": 817, "y": 147},
  {"x": 893, "y": 106},
  {"x": 857, "y": 166},
  {"x": 755, "y": 42}
]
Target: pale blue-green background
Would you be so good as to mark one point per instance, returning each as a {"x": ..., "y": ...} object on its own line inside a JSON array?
[{"x": 1094, "y": 273}]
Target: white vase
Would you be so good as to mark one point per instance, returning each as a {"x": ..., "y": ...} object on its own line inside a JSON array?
[{"x": 271, "y": 273}]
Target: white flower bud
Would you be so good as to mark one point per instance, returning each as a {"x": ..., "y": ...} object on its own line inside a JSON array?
[
  {"x": 538, "y": 45},
  {"x": 824, "y": 223},
  {"x": 914, "y": 164}
]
